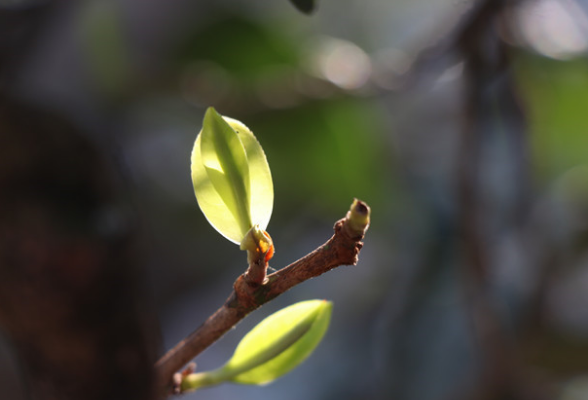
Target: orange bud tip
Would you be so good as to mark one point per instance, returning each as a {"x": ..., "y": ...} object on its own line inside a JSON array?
[{"x": 270, "y": 253}]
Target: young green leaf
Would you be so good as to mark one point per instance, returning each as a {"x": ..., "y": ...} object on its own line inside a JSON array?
[
  {"x": 280, "y": 342},
  {"x": 273, "y": 348},
  {"x": 231, "y": 177}
]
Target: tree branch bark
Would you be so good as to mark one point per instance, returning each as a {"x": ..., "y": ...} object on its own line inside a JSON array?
[{"x": 248, "y": 294}]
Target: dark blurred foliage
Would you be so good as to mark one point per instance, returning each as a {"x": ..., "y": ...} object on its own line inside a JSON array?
[
  {"x": 69, "y": 293},
  {"x": 306, "y": 6},
  {"x": 463, "y": 125}
]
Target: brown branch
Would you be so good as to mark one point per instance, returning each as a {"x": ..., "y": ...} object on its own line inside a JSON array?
[{"x": 249, "y": 294}]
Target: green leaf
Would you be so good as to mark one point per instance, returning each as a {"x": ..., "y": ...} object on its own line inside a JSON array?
[
  {"x": 231, "y": 177},
  {"x": 273, "y": 348},
  {"x": 280, "y": 342}
]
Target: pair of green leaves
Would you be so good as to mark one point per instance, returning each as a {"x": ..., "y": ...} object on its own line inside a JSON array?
[
  {"x": 231, "y": 177},
  {"x": 273, "y": 348},
  {"x": 234, "y": 189}
]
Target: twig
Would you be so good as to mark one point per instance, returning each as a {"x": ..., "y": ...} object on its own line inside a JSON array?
[{"x": 248, "y": 294}]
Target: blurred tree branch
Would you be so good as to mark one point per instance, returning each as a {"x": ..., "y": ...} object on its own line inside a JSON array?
[
  {"x": 494, "y": 120},
  {"x": 493, "y": 113},
  {"x": 69, "y": 293},
  {"x": 489, "y": 98}
]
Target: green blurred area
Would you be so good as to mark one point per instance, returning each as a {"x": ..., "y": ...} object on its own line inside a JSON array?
[
  {"x": 247, "y": 49},
  {"x": 324, "y": 152},
  {"x": 555, "y": 96}
]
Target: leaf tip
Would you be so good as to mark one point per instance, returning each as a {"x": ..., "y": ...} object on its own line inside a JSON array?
[{"x": 211, "y": 113}]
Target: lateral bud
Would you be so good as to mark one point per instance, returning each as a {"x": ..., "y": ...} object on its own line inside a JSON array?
[{"x": 259, "y": 245}]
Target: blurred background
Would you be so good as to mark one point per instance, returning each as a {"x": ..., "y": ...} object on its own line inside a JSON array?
[{"x": 463, "y": 124}]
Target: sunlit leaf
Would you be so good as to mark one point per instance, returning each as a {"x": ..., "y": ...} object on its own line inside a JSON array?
[
  {"x": 231, "y": 177},
  {"x": 280, "y": 342},
  {"x": 261, "y": 200},
  {"x": 274, "y": 347}
]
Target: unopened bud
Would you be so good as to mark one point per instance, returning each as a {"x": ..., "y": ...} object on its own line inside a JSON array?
[{"x": 358, "y": 217}]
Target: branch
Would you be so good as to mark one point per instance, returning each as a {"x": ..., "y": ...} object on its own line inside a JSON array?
[{"x": 250, "y": 292}]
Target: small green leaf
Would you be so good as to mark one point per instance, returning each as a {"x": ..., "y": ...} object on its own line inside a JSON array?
[
  {"x": 279, "y": 343},
  {"x": 231, "y": 177},
  {"x": 273, "y": 348}
]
